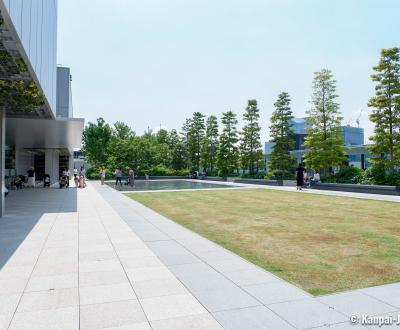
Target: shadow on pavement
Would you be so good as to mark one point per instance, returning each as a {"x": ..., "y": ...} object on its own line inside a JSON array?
[{"x": 24, "y": 208}]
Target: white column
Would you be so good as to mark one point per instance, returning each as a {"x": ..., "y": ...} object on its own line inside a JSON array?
[
  {"x": 2, "y": 159},
  {"x": 51, "y": 164},
  {"x": 71, "y": 164}
]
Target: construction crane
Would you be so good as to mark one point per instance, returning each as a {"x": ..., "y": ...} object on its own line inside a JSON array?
[{"x": 358, "y": 118}]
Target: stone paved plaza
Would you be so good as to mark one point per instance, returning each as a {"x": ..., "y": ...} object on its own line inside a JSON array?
[{"x": 95, "y": 259}]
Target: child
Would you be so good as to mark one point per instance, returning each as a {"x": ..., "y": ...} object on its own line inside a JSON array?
[
  {"x": 82, "y": 182},
  {"x": 76, "y": 180}
]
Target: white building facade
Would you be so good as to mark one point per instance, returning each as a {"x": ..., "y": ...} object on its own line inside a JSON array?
[{"x": 37, "y": 128}]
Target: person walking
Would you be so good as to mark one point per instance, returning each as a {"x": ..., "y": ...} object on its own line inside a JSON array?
[
  {"x": 82, "y": 181},
  {"x": 31, "y": 177},
  {"x": 82, "y": 171},
  {"x": 66, "y": 176},
  {"x": 131, "y": 178},
  {"x": 118, "y": 176},
  {"x": 299, "y": 177},
  {"x": 102, "y": 174}
]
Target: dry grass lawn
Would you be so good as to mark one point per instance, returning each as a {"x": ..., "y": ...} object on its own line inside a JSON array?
[{"x": 321, "y": 243}]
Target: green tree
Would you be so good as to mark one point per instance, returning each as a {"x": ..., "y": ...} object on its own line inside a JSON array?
[
  {"x": 251, "y": 154},
  {"x": 386, "y": 111},
  {"x": 141, "y": 153},
  {"x": 210, "y": 145},
  {"x": 228, "y": 153},
  {"x": 96, "y": 142},
  {"x": 195, "y": 138},
  {"x": 282, "y": 162},
  {"x": 178, "y": 151},
  {"x": 122, "y": 131},
  {"x": 324, "y": 137},
  {"x": 162, "y": 136},
  {"x": 186, "y": 141}
]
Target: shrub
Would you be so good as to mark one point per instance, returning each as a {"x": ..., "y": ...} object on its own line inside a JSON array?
[
  {"x": 93, "y": 173},
  {"x": 161, "y": 170},
  {"x": 378, "y": 175},
  {"x": 393, "y": 178},
  {"x": 258, "y": 175},
  {"x": 373, "y": 175},
  {"x": 183, "y": 172},
  {"x": 346, "y": 174},
  {"x": 279, "y": 175},
  {"x": 225, "y": 175}
]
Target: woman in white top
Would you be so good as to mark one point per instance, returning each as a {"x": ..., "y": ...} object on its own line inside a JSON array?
[{"x": 316, "y": 177}]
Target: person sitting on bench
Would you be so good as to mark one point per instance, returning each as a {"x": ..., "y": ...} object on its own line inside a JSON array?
[{"x": 18, "y": 182}]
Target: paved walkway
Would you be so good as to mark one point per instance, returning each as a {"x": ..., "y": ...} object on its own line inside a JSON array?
[{"x": 94, "y": 259}]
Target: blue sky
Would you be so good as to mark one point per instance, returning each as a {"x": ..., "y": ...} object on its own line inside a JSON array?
[{"x": 157, "y": 61}]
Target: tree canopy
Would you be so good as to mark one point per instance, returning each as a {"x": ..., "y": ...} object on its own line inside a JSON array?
[
  {"x": 386, "y": 110},
  {"x": 281, "y": 162},
  {"x": 228, "y": 153},
  {"x": 251, "y": 154},
  {"x": 324, "y": 142}
]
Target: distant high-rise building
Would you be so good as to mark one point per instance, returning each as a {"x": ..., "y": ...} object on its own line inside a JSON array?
[
  {"x": 64, "y": 93},
  {"x": 353, "y": 138}
]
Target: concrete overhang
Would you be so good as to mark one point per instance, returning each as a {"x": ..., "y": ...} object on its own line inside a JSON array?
[{"x": 59, "y": 133}]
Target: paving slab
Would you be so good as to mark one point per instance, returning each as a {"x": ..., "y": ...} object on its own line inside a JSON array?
[
  {"x": 9, "y": 302},
  {"x": 166, "y": 307},
  {"x": 356, "y": 303},
  {"x": 52, "y": 282},
  {"x": 5, "y": 320},
  {"x": 307, "y": 313},
  {"x": 178, "y": 259},
  {"x": 221, "y": 299},
  {"x": 253, "y": 318},
  {"x": 193, "y": 322},
  {"x": 158, "y": 287},
  {"x": 148, "y": 273},
  {"x": 12, "y": 285},
  {"x": 102, "y": 278},
  {"x": 274, "y": 292},
  {"x": 63, "y": 318},
  {"x": 106, "y": 293},
  {"x": 100, "y": 266},
  {"x": 251, "y": 277},
  {"x": 389, "y": 293},
  {"x": 111, "y": 314},
  {"x": 51, "y": 299},
  {"x": 343, "y": 326}
]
